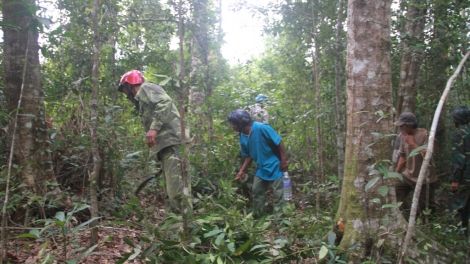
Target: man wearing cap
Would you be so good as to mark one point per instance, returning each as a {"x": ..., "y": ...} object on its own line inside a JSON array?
[
  {"x": 413, "y": 137},
  {"x": 161, "y": 121}
]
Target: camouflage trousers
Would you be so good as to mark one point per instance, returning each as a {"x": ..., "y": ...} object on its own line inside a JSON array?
[
  {"x": 177, "y": 197},
  {"x": 260, "y": 189},
  {"x": 460, "y": 202}
]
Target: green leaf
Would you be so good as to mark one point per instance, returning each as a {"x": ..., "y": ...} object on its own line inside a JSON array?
[
  {"x": 27, "y": 236},
  {"x": 383, "y": 190},
  {"x": 60, "y": 216},
  {"x": 323, "y": 252},
  {"x": 374, "y": 172},
  {"x": 75, "y": 229},
  {"x": 231, "y": 247},
  {"x": 128, "y": 241},
  {"x": 331, "y": 238},
  {"x": 244, "y": 247},
  {"x": 376, "y": 200},
  {"x": 371, "y": 183},
  {"x": 219, "y": 239},
  {"x": 389, "y": 206},
  {"x": 28, "y": 115},
  {"x": 353, "y": 246},
  {"x": 416, "y": 151},
  {"x": 391, "y": 174},
  {"x": 213, "y": 233},
  {"x": 383, "y": 169},
  {"x": 380, "y": 242}
]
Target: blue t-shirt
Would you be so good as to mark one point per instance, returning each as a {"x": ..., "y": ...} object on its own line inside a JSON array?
[{"x": 259, "y": 146}]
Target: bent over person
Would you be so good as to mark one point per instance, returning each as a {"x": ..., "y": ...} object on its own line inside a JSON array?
[
  {"x": 260, "y": 143},
  {"x": 460, "y": 177},
  {"x": 413, "y": 137},
  {"x": 161, "y": 121}
]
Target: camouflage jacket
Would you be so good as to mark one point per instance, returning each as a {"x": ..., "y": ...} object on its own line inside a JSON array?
[
  {"x": 461, "y": 155},
  {"x": 259, "y": 113},
  {"x": 158, "y": 112}
]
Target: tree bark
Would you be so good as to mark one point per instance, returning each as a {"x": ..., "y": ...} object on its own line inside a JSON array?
[
  {"x": 369, "y": 93},
  {"x": 94, "y": 124},
  {"x": 339, "y": 93},
  {"x": 369, "y": 118},
  {"x": 412, "y": 57},
  {"x": 22, "y": 68},
  {"x": 318, "y": 128}
]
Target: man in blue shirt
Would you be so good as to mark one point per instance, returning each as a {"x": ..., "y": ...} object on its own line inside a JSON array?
[{"x": 259, "y": 142}]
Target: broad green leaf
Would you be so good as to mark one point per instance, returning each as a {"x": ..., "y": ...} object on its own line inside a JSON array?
[
  {"x": 331, "y": 238},
  {"x": 323, "y": 252},
  {"x": 213, "y": 233},
  {"x": 219, "y": 239},
  {"x": 60, "y": 216},
  {"x": 416, "y": 151},
  {"x": 231, "y": 247},
  {"x": 371, "y": 183},
  {"x": 374, "y": 172},
  {"x": 394, "y": 175},
  {"x": 380, "y": 242},
  {"x": 383, "y": 190},
  {"x": 383, "y": 169}
]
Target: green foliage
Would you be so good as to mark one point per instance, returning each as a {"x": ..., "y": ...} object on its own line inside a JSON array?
[{"x": 60, "y": 228}]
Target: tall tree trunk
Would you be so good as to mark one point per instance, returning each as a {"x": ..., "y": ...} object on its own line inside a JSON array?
[
  {"x": 316, "y": 74},
  {"x": 412, "y": 57},
  {"x": 366, "y": 197},
  {"x": 339, "y": 93},
  {"x": 23, "y": 78},
  {"x": 369, "y": 91},
  {"x": 94, "y": 124},
  {"x": 184, "y": 147}
]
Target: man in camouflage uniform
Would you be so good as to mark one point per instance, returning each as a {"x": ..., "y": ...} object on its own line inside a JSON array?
[
  {"x": 161, "y": 121},
  {"x": 409, "y": 166},
  {"x": 460, "y": 177},
  {"x": 258, "y": 111}
]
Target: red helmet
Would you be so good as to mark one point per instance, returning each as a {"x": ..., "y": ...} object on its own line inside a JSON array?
[{"x": 131, "y": 77}]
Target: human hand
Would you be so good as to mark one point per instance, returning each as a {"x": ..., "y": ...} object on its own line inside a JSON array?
[
  {"x": 150, "y": 138},
  {"x": 454, "y": 186},
  {"x": 408, "y": 139},
  {"x": 239, "y": 176},
  {"x": 284, "y": 165}
]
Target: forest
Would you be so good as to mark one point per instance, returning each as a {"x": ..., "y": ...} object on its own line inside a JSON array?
[{"x": 336, "y": 74}]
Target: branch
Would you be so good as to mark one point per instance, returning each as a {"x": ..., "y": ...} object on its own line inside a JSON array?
[
  {"x": 147, "y": 20},
  {"x": 427, "y": 159}
]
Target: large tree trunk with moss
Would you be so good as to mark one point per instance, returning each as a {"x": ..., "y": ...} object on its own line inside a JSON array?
[
  {"x": 24, "y": 93},
  {"x": 366, "y": 215}
]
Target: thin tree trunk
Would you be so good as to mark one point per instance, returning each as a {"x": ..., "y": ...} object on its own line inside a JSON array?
[
  {"x": 339, "y": 93},
  {"x": 184, "y": 150},
  {"x": 427, "y": 159},
  {"x": 94, "y": 124},
  {"x": 319, "y": 154},
  {"x": 412, "y": 57}
]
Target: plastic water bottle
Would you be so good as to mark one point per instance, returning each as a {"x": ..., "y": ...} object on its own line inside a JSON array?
[{"x": 287, "y": 186}]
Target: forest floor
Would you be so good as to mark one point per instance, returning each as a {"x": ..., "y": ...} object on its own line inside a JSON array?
[{"x": 111, "y": 245}]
